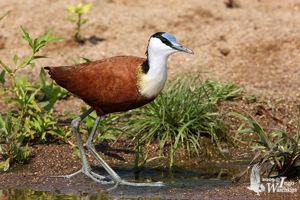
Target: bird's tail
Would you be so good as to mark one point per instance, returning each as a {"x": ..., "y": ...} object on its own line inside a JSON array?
[{"x": 48, "y": 68}]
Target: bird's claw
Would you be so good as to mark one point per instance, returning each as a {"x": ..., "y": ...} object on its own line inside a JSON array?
[{"x": 94, "y": 176}]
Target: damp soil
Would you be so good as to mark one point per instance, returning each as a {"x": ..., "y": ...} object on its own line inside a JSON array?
[{"x": 255, "y": 46}]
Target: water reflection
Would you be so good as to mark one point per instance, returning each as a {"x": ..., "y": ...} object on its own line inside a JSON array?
[
  {"x": 178, "y": 179},
  {"x": 28, "y": 194}
]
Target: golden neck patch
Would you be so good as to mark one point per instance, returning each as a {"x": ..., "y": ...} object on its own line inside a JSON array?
[{"x": 150, "y": 84}]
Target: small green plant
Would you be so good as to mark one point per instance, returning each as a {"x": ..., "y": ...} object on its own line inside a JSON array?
[
  {"x": 280, "y": 147},
  {"x": 78, "y": 11},
  {"x": 13, "y": 151},
  {"x": 183, "y": 114},
  {"x": 29, "y": 117}
]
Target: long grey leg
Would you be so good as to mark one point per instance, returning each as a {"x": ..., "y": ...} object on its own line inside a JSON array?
[
  {"x": 86, "y": 168},
  {"x": 111, "y": 172}
]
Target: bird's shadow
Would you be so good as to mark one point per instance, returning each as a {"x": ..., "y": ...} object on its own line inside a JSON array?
[
  {"x": 105, "y": 148},
  {"x": 93, "y": 40}
]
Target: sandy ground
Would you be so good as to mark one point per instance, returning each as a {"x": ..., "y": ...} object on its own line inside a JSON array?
[
  {"x": 256, "y": 46},
  {"x": 261, "y": 38}
]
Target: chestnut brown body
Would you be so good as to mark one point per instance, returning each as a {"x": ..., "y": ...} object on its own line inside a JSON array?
[{"x": 108, "y": 85}]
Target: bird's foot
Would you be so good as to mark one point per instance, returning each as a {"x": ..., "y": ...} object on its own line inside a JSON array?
[
  {"x": 152, "y": 184},
  {"x": 123, "y": 182},
  {"x": 92, "y": 175}
]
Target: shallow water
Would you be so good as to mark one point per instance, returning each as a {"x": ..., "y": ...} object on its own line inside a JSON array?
[{"x": 177, "y": 181}]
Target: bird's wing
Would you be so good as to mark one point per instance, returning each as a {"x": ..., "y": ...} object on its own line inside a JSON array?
[{"x": 100, "y": 82}]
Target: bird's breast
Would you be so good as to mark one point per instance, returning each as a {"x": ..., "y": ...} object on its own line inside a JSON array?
[{"x": 150, "y": 84}]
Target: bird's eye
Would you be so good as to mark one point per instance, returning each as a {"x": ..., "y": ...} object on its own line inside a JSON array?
[{"x": 164, "y": 40}]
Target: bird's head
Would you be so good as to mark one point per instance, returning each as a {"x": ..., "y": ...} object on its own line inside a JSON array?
[{"x": 165, "y": 44}]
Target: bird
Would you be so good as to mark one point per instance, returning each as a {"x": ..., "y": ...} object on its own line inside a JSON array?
[
  {"x": 116, "y": 84},
  {"x": 255, "y": 181}
]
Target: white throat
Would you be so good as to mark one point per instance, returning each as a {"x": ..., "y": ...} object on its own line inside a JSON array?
[{"x": 154, "y": 80}]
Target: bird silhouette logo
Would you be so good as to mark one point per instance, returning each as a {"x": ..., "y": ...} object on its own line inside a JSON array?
[{"x": 255, "y": 181}]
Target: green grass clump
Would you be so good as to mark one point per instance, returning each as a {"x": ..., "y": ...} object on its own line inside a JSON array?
[
  {"x": 279, "y": 147},
  {"x": 185, "y": 112}
]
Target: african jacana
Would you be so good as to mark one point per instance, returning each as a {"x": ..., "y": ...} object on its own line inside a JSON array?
[{"x": 116, "y": 84}]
